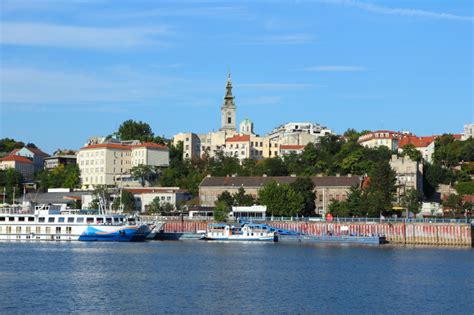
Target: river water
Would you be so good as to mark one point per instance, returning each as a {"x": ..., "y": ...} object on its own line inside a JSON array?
[{"x": 196, "y": 277}]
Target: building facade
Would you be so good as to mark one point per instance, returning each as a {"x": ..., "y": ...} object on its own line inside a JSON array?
[
  {"x": 56, "y": 160},
  {"x": 327, "y": 188},
  {"x": 468, "y": 131},
  {"x": 379, "y": 138},
  {"x": 20, "y": 163},
  {"x": 425, "y": 145},
  {"x": 409, "y": 175},
  {"x": 298, "y": 133},
  {"x": 110, "y": 163},
  {"x": 34, "y": 154}
]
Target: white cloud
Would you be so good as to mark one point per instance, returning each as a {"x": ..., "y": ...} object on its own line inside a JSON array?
[
  {"x": 399, "y": 11},
  {"x": 335, "y": 69},
  {"x": 40, "y": 34}
]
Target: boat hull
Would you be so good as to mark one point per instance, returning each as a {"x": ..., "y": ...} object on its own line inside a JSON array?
[{"x": 124, "y": 234}]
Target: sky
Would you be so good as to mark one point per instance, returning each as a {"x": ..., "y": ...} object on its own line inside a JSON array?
[{"x": 77, "y": 68}]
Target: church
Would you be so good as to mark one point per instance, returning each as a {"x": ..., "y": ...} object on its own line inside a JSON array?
[{"x": 244, "y": 143}]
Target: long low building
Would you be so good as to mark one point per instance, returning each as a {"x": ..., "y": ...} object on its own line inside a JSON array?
[{"x": 327, "y": 188}]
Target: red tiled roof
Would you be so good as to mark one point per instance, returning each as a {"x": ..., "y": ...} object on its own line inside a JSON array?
[
  {"x": 17, "y": 158},
  {"x": 107, "y": 146},
  {"x": 419, "y": 142},
  {"x": 374, "y": 135},
  {"x": 457, "y": 136},
  {"x": 15, "y": 151},
  {"x": 238, "y": 138},
  {"x": 291, "y": 147},
  {"x": 151, "y": 145}
]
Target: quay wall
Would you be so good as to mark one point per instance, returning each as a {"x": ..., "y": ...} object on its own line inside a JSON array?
[{"x": 441, "y": 234}]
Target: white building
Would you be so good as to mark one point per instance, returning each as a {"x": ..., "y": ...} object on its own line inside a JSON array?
[
  {"x": 21, "y": 164},
  {"x": 298, "y": 133},
  {"x": 468, "y": 131},
  {"x": 379, "y": 138},
  {"x": 110, "y": 163}
]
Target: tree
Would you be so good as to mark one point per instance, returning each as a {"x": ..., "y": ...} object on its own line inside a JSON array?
[
  {"x": 339, "y": 209},
  {"x": 221, "y": 211},
  {"x": 132, "y": 130},
  {"x": 154, "y": 207},
  {"x": 59, "y": 177},
  {"x": 379, "y": 194},
  {"x": 166, "y": 207},
  {"x": 465, "y": 188},
  {"x": 305, "y": 186},
  {"x": 411, "y": 151},
  {"x": 454, "y": 203},
  {"x": 143, "y": 173},
  {"x": 11, "y": 182},
  {"x": 280, "y": 199},
  {"x": 242, "y": 199},
  {"x": 412, "y": 200},
  {"x": 125, "y": 199},
  {"x": 226, "y": 198},
  {"x": 101, "y": 198}
]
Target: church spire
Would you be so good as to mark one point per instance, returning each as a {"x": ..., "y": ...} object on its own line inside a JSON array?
[
  {"x": 228, "y": 98},
  {"x": 228, "y": 109}
]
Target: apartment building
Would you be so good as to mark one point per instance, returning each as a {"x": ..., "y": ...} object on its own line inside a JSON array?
[
  {"x": 21, "y": 164},
  {"x": 409, "y": 175},
  {"x": 378, "y": 138},
  {"x": 110, "y": 163}
]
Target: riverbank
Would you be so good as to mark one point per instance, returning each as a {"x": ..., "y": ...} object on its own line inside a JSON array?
[{"x": 406, "y": 233}]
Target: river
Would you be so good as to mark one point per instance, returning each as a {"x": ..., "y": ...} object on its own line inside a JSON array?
[{"x": 203, "y": 277}]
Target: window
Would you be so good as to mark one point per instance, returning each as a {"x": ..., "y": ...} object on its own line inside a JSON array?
[
  {"x": 50, "y": 220},
  {"x": 11, "y": 218},
  {"x": 80, "y": 220},
  {"x": 229, "y": 120},
  {"x": 41, "y": 220},
  {"x": 68, "y": 230},
  {"x": 21, "y": 219},
  {"x": 58, "y": 230},
  {"x": 31, "y": 219},
  {"x": 70, "y": 220},
  {"x": 90, "y": 220},
  {"x": 2, "y": 218},
  {"x": 38, "y": 230},
  {"x": 61, "y": 220}
]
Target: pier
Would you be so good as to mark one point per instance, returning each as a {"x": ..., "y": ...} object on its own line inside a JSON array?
[{"x": 407, "y": 233}]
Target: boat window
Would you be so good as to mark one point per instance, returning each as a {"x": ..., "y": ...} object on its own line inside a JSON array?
[
  {"x": 2, "y": 218},
  {"x": 41, "y": 219},
  {"x": 11, "y": 218},
  {"x": 58, "y": 230},
  {"x": 116, "y": 220},
  {"x": 100, "y": 220},
  {"x": 70, "y": 220},
  {"x": 108, "y": 220},
  {"x": 21, "y": 219},
  {"x": 61, "y": 220},
  {"x": 89, "y": 220},
  {"x": 51, "y": 220},
  {"x": 31, "y": 219},
  {"x": 80, "y": 220}
]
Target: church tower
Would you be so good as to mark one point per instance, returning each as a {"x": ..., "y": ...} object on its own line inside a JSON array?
[{"x": 228, "y": 109}]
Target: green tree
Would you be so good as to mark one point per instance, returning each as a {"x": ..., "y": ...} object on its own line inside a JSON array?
[
  {"x": 242, "y": 199},
  {"x": 305, "y": 186},
  {"x": 379, "y": 194},
  {"x": 339, "y": 209},
  {"x": 221, "y": 211},
  {"x": 465, "y": 188},
  {"x": 143, "y": 173},
  {"x": 154, "y": 207},
  {"x": 11, "y": 183},
  {"x": 280, "y": 199},
  {"x": 454, "y": 203},
  {"x": 101, "y": 198},
  {"x": 226, "y": 198},
  {"x": 125, "y": 199},
  {"x": 412, "y": 201},
  {"x": 411, "y": 151},
  {"x": 166, "y": 207},
  {"x": 133, "y": 130}
]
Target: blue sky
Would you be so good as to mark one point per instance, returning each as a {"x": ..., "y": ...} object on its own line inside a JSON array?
[{"x": 74, "y": 69}]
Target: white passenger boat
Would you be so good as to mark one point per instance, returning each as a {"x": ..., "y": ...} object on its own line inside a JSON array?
[
  {"x": 246, "y": 232},
  {"x": 51, "y": 224}
]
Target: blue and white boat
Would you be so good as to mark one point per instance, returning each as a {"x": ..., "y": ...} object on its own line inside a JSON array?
[
  {"x": 246, "y": 232},
  {"x": 48, "y": 223}
]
